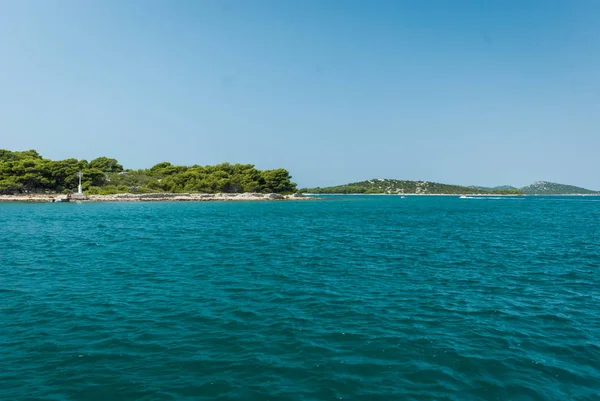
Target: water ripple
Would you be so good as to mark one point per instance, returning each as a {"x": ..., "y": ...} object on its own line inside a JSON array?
[{"x": 367, "y": 298}]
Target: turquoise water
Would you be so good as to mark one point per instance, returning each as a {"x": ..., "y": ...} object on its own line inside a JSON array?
[{"x": 354, "y": 298}]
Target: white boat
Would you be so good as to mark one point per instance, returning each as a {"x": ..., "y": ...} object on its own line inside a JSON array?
[{"x": 62, "y": 199}]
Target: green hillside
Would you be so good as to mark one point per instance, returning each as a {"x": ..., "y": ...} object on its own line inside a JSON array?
[
  {"x": 551, "y": 188},
  {"x": 389, "y": 186},
  {"x": 29, "y": 172}
]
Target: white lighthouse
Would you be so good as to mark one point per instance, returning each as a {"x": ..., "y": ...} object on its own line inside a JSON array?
[{"x": 79, "y": 189}]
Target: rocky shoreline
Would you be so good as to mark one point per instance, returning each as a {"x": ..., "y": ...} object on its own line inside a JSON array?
[
  {"x": 416, "y": 195},
  {"x": 157, "y": 197}
]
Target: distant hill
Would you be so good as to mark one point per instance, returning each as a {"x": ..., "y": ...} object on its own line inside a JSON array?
[
  {"x": 499, "y": 188},
  {"x": 389, "y": 186},
  {"x": 551, "y": 188}
]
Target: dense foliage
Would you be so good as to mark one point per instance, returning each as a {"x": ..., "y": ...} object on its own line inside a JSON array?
[
  {"x": 386, "y": 186},
  {"x": 29, "y": 172}
]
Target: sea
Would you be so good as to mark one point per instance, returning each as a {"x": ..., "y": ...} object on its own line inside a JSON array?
[{"x": 344, "y": 298}]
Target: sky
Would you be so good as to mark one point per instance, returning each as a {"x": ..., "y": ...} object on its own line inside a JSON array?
[{"x": 464, "y": 92}]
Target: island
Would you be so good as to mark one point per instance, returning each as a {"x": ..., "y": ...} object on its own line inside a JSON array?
[
  {"x": 404, "y": 187},
  {"x": 27, "y": 176},
  {"x": 552, "y": 188}
]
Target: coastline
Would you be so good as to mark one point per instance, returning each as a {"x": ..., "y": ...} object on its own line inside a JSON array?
[
  {"x": 455, "y": 195},
  {"x": 414, "y": 194},
  {"x": 228, "y": 197},
  {"x": 158, "y": 197}
]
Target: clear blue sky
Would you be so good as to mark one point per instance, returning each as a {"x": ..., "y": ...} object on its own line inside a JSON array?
[{"x": 464, "y": 92}]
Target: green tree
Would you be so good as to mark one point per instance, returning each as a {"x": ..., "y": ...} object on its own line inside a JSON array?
[
  {"x": 106, "y": 164},
  {"x": 93, "y": 178},
  {"x": 278, "y": 181}
]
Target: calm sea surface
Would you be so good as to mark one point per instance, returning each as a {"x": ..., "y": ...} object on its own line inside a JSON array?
[{"x": 353, "y": 298}]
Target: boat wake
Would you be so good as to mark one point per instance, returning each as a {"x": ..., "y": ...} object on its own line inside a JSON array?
[{"x": 491, "y": 197}]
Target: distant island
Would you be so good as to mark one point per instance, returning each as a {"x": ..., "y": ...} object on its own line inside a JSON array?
[
  {"x": 551, "y": 188},
  {"x": 27, "y": 172},
  {"x": 392, "y": 186},
  {"x": 499, "y": 188}
]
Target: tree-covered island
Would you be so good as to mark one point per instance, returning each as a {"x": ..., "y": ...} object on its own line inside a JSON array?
[
  {"x": 388, "y": 186},
  {"x": 27, "y": 172}
]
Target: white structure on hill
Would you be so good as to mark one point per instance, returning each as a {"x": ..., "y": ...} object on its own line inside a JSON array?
[{"x": 79, "y": 190}]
